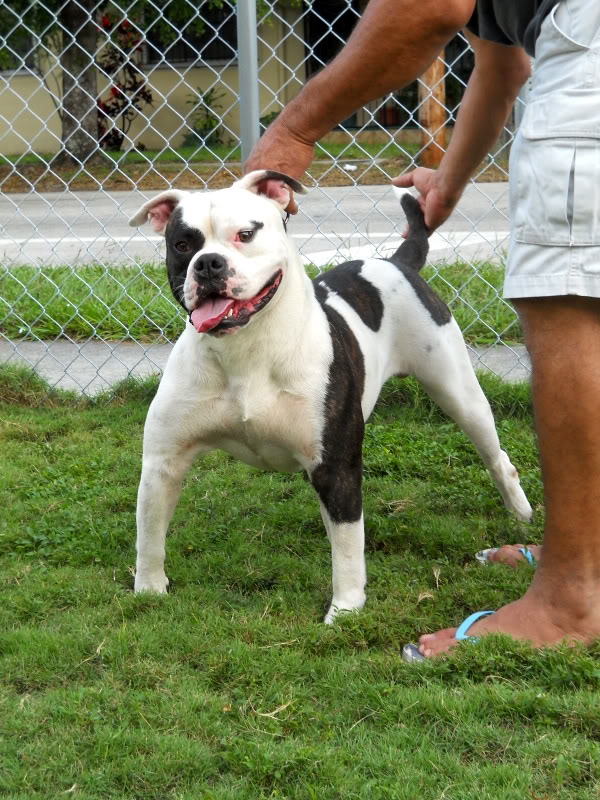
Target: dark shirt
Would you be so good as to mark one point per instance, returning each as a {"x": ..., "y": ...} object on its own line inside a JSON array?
[{"x": 510, "y": 21}]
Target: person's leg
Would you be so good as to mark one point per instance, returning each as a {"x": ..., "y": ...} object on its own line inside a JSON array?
[{"x": 563, "y": 601}]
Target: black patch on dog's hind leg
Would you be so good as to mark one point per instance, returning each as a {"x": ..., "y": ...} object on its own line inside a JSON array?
[{"x": 438, "y": 310}]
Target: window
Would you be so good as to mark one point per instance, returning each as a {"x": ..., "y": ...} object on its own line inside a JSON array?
[{"x": 208, "y": 34}]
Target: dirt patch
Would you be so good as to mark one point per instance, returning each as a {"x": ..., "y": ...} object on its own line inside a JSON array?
[{"x": 40, "y": 178}]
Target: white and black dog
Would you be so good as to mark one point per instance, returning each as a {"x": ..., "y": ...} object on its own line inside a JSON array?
[{"x": 282, "y": 372}]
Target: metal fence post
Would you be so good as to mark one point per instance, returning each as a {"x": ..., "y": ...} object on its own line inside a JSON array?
[{"x": 248, "y": 75}]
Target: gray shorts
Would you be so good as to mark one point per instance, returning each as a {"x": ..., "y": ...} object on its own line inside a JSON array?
[{"x": 554, "y": 169}]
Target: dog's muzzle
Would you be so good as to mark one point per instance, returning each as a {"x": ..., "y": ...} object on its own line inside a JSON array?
[{"x": 218, "y": 313}]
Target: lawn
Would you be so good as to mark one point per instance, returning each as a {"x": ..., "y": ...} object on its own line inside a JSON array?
[
  {"x": 200, "y": 167},
  {"x": 328, "y": 150},
  {"x": 136, "y": 301},
  {"x": 213, "y": 167},
  {"x": 230, "y": 686}
]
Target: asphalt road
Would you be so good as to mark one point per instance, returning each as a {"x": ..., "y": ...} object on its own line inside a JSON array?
[{"x": 333, "y": 224}]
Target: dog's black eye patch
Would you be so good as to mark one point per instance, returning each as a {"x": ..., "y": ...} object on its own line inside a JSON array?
[
  {"x": 181, "y": 237},
  {"x": 183, "y": 241}
]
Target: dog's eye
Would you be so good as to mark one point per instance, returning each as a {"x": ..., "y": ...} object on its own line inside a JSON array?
[
  {"x": 183, "y": 247},
  {"x": 246, "y": 236}
]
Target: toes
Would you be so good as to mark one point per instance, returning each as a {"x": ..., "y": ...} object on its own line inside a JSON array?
[
  {"x": 508, "y": 554},
  {"x": 445, "y": 633},
  {"x": 432, "y": 644}
]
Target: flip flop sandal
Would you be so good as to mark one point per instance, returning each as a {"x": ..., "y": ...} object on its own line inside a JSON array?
[
  {"x": 410, "y": 652},
  {"x": 483, "y": 556}
]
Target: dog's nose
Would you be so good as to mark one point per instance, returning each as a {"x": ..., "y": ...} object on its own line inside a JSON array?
[{"x": 210, "y": 265}]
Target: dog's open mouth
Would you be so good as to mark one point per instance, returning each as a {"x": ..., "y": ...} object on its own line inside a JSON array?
[{"x": 218, "y": 313}]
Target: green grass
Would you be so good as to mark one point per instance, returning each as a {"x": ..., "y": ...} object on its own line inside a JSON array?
[
  {"x": 474, "y": 295},
  {"x": 169, "y": 155},
  {"x": 111, "y": 302},
  {"x": 226, "y": 153},
  {"x": 136, "y": 301},
  {"x": 230, "y": 686}
]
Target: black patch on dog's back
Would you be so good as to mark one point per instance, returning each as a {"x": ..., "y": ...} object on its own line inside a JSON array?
[
  {"x": 358, "y": 292},
  {"x": 337, "y": 479}
]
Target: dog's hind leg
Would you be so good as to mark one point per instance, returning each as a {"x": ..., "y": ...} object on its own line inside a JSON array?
[{"x": 449, "y": 379}]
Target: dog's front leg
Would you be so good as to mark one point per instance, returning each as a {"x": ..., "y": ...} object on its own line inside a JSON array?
[
  {"x": 339, "y": 489},
  {"x": 158, "y": 493}
]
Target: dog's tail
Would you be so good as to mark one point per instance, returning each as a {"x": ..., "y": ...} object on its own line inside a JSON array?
[{"x": 413, "y": 250}]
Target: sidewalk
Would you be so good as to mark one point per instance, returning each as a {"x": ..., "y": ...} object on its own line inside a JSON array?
[{"x": 95, "y": 366}]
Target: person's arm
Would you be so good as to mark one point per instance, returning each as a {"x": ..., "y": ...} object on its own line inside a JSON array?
[
  {"x": 394, "y": 42},
  {"x": 500, "y": 71}
]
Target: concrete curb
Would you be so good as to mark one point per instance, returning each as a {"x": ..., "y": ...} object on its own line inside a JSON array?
[{"x": 94, "y": 366}]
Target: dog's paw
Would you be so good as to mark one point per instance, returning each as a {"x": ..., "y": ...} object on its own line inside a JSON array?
[
  {"x": 517, "y": 502},
  {"x": 157, "y": 583},
  {"x": 524, "y": 512},
  {"x": 343, "y": 607}
]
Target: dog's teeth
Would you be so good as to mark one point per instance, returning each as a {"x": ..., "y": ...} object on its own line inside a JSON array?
[{"x": 230, "y": 312}]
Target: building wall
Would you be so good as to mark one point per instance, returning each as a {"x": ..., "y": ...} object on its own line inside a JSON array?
[{"x": 29, "y": 120}]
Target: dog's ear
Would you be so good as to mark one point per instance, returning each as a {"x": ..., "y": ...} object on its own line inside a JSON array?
[
  {"x": 273, "y": 185},
  {"x": 158, "y": 210}
]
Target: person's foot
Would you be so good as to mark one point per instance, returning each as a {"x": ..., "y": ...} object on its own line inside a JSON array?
[
  {"x": 527, "y": 619},
  {"x": 511, "y": 554}
]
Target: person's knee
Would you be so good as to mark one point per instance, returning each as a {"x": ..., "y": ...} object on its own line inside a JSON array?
[{"x": 550, "y": 322}]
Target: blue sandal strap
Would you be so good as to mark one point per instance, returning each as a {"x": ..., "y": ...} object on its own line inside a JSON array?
[
  {"x": 528, "y": 555},
  {"x": 461, "y": 631}
]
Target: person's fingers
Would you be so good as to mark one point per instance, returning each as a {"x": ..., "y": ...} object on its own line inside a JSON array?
[{"x": 405, "y": 180}]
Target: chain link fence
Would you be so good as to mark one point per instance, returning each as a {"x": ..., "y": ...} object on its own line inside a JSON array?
[{"x": 103, "y": 104}]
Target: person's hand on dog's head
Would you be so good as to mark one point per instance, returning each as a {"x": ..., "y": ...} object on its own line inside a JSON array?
[{"x": 281, "y": 150}]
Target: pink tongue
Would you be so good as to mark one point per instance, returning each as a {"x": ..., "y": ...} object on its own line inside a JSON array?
[{"x": 210, "y": 313}]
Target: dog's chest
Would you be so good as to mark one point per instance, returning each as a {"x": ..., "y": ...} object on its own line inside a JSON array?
[{"x": 265, "y": 424}]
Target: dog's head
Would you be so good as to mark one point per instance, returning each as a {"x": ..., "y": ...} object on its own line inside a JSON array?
[{"x": 227, "y": 251}]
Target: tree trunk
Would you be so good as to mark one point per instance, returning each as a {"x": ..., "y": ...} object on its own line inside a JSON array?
[{"x": 79, "y": 115}]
